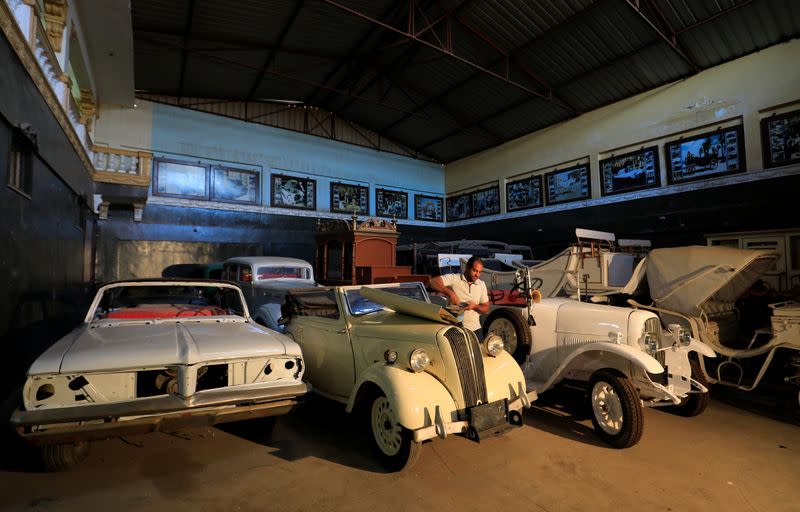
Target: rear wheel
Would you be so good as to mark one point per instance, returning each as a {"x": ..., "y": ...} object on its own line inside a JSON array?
[
  {"x": 694, "y": 403},
  {"x": 509, "y": 325},
  {"x": 616, "y": 409},
  {"x": 61, "y": 457},
  {"x": 394, "y": 443}
]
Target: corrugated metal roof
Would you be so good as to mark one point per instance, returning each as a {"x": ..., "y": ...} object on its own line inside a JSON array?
[{"x": 470, "y": 75}]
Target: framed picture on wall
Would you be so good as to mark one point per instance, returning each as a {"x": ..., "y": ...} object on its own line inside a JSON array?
[
  {"x": 485, "y": 201},
  {"x": 780, "y": 139},
  {"x": 707, "y": 155},
  {"x": 630, "y": 171},
  {"x": 235, "y": 185},
  {"x": 175, "y": 178},
  {"x": 293, "y": 192},
  {"x": 566, "y": 185},
  {"x": 523, "y": 194},
  {"x": 391, "y": 203},
  {"x": 459, "y": 207},
  {"x": 345, "y": 197},
  {"x": 428, "y": 208}
]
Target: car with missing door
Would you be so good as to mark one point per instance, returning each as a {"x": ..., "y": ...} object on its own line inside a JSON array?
[
  {"x": 156, "y": 355},
  {"x": 407, "y": 365}
]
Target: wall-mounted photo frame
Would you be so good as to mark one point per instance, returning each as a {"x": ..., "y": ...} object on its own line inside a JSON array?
[
  {"x": 485, "y": 201},
  {"x": 232, "y": 185},
  {"x": 524, "y": 194},
  {"x": 630, "y": 171},
  {"x": 780, "y": 139},
  {"x": 391, "y": 203},
  {"x": 293, "y": 192},
  {"x": 176, "y": 178},
  {"x": 428, "y": 208},
  {"x": 704, "y": 156},
  {"x": 459, "y": 207},
  {"x": 345, "y": 196},
  {"x": 567, "y": 185}
]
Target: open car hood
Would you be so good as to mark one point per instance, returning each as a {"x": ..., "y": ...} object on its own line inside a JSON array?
[
  {"x": 687, "y": 279},
  {"x": 409, "y": 306}
]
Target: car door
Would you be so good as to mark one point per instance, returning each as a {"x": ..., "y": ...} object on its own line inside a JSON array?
[{"x": 327, "y": 352}]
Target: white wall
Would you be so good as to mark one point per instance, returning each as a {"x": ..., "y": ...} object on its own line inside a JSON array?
[{"x": 747, "y": 88}]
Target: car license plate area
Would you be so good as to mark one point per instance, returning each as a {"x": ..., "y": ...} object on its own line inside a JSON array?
[{"x": 485, "y": 416}]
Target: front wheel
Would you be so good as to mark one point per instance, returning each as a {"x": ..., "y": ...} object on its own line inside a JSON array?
[
  {"x": 617, "y": 413},
  {"x": 394, "y": 443}
]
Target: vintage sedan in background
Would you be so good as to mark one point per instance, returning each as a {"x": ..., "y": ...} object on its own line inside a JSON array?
[
  {"x": 264, "y": 281},
  {"x": 406, "y": 364},
  {"x": 621, "y": 356},
  {"x": 156, "y": 355}
]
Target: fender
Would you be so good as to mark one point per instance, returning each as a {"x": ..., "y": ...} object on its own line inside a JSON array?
[
  {"x": 631, "y": 354},
  {"x": 269, "y": 313},
  {"x": 415, "y": 396},
  {"x": 701, "y": 348}
]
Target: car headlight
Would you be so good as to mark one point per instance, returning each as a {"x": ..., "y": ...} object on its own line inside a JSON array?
[
  {"x": 494, "y": 345},
  {"x": 686, "y": 337},
  {"x": 649, "y": 339},
  {"x": 419, "y": 360}
]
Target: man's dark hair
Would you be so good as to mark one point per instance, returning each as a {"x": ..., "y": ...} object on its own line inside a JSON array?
[{"x": 472, "y": 261}]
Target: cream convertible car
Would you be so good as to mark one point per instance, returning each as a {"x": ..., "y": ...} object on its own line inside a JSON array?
[
  {"x": 416, "y": 374},
  {"x": 156, "y": 355}
]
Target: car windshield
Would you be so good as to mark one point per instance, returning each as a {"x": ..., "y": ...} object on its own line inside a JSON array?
[
  {"x": 360, "y": 305},
  {"x": 282, "y": 272},
  {"x": 169, "y": 301}
]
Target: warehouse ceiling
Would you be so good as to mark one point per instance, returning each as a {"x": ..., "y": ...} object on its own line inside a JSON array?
[{"x": 445, "y": 78}]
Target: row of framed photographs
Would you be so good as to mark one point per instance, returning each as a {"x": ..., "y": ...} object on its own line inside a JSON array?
[
  {"x": 702, "y": 156},
  {"x": 175, "y": 178}
]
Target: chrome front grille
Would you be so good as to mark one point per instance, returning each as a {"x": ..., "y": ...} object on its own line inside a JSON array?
[{"x": 469, "y": 361}]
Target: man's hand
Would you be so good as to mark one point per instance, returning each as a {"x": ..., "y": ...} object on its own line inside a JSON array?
[{"x": 482, "y": 309}]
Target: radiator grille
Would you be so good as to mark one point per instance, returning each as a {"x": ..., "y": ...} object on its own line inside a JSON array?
[
  {"x": 469, "y": 362},
  {"x": 653, "y": 326}
]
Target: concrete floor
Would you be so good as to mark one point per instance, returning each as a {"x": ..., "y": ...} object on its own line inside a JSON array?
[{"x": 726, "y": 459}]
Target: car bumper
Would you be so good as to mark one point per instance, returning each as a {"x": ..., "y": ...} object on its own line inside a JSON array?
[
  {"x": 166, "y": 413},
  {"x": 480, "y": 420}
]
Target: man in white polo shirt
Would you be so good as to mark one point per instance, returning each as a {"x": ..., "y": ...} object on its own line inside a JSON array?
[{"x": 466, "y": 288}]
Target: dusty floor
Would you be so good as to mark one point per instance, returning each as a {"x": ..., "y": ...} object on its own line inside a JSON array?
[{"x": 726, "y": 459}]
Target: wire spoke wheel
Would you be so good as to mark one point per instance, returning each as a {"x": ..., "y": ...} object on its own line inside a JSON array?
[{"x": 509, "y": 324}]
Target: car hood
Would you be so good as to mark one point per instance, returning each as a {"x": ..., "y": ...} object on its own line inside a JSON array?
[
  {"x": 389, "y": 325},
  {"x": 139, "y": 345}
]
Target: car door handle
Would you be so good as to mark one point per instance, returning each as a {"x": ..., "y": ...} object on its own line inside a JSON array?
[{"x": 342, "y": 331}]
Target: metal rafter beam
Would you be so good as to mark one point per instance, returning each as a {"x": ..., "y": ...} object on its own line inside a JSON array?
[
  {"x": 671, "y": 41},
  {"x": 187, "y": 33},
  {"x": 272, "y": 53},
  {"x": 411, "y": 36},
  {"x": 351, "y": 55},
  {"x": 242, "y": 65},
  {"x": 723, "y": 12}
]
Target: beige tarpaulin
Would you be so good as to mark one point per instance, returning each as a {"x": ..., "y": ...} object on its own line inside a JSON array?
[
  {"x": 408, "y": 306},
  {"x": 687, "y": 279}
]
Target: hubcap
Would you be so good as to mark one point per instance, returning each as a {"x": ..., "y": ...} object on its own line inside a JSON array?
[
  {"x": 505, "y": 329},
  {"x": 385, "y": 426},
  {"x": 607, "y": 408}
]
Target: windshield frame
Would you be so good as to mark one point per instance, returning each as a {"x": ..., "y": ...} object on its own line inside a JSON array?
[{"x": 346, "y": 291}]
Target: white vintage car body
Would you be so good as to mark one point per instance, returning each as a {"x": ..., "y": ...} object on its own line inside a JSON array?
[
  {"x": 698, "y": 286},
  {"x": 356, "y": 349},
  {"x": 134, "y": 367},
  {"x": 558, "y": 340},
  {"x": 264, "y": 281}
]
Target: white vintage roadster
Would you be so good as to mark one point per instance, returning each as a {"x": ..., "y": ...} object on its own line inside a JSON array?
[
  {"x": 405, "y": 363},
  {"x": 700, "y": 288},
  {"x": 155, "y": 355},
  {"x": 621, "y": 356}
]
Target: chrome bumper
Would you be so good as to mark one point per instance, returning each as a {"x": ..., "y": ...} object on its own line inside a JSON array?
[{"x": 163, "y": 413}]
